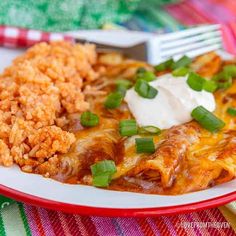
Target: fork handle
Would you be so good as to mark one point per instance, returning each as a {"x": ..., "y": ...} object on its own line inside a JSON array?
[{"x": 102, "y": 47}]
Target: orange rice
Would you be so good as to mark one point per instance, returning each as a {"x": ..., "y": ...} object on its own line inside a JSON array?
[{"x": 36, "y": 92}]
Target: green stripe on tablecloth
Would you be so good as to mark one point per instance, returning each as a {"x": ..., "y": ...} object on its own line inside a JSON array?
[
  {"x": 24, "y": 219},
  {"x": 12, "y": 221},
  {"x": 2, "y": 229},
  {"x": 166, "y": 20},
  {"x": 156, "y": 15}
]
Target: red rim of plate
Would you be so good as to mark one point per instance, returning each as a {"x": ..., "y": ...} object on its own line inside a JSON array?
[{"x": 98, "y": 211}]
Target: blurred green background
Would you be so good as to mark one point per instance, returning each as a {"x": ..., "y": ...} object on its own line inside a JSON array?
[{"x": 64, "y": 15}]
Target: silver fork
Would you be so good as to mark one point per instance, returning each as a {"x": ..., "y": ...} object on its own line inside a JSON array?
[{"x": 191, "y": 42}]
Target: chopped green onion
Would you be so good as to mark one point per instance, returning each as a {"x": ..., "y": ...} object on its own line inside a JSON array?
[
  {"x": 101, "y": 180},
  {"x": 223, "y": 80},
  {"x": 122, "y": 85},
  {"x": 207, "y": 119},
  {"x": 144, "y": 145},
  {"x": 113, "y": 100},
  {"x": 128, "y": 127},
  {"x": 145, "y": 90},
  {"x": 102, "y": 172},
  {"x": 124, "y": 82},
  {"x": 89, "y": 119},
  {"x": 182, "y": 62},
  {"x": 164, "y": 65},
  {"x": 103, "y": 167},
  {"x": 231, "y": 111},
  {"x": 210, "y": 86},
  {"x": 147, "y": 76},
  {"x": 230, "y": 70},
  {"x": 141, "y": 70},
  {"x": 181, "y": 71},
  {"x": 121, "y": 89},
  {"x": 149, "y": 130},
  {"x": 195, "y": 81}
]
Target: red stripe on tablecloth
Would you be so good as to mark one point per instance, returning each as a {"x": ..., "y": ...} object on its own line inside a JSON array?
[
  {"x": 188, "y": 13},
  {"x": 38, "y": 221},
  {"x": 176, "y": 222},
  {"x": 228, "y": 38},
  {"x": 129, "y": 226},
  {"x": 81, "y": 226},
  {"x": 205, "y": 218},
  {"x": 31, "y": 220},
  {"x": 104, "y": 225},
  {"x": 153, "y": 226},
  {"x": 56, "y": 224},
  {"x": 195, "y": 17},
  {"x": 161, "y": 226},
  {"x": 171, "y": 227},
  {"x": 89, "y": 225},
  {"x": 64, "y": 224},
  {"x": 230, "y": 5},
  {"x": 212, "y": 11},
  {"x": 204, "y": 18},
  {"x": 218, "y": 217},
  {"x": 233, "y": 28},
  {"x": 45, "y": 221},
  {"x": 145, "y": 226},
  {"x": 183, "y": 218},
  {"x": 196, "y": 218},
  {"x": 72, "y": 224},
  {"x": 212, "y": 230}
]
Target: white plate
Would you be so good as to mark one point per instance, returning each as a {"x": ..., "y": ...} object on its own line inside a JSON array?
[{"x": 38, "y": 190}]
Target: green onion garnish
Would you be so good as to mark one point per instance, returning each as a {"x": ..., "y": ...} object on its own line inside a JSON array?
[
  {"x": 230, "y": 70},
  {"x": 210, "y": 86},
  {"x": 181, "y": 71},
  {"x": 182, "y": 62},
  {"x": 128, "y": 127},
  {"x": 121, "y": 89},
  {"x": 149, "y": 130},
  {"x": 207, "y": 119},
  {"x": 195, "y": 81},
  {"x": 141, "y": 70},
  {"x": 145, "y": 90},
  {"x": 122, "y": 85},
  {"x": 102, "y": 172},
  {"x": 144, "y": 145},
  {"x": 164, "y": 65},
  {"x": 113, "y": 100},
  {"x": 231, "y": 111},
  {"x": 124, "y": 82},
  {"x": 89, "y": 119},
  {"x": 147, "y": 76},
  {"x": 223, "y": 80}
]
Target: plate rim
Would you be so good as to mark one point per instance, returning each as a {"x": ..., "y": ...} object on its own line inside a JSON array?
[{"x": 116, "y": 212}]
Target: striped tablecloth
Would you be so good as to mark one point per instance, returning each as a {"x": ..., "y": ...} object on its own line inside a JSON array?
[{"x": 22, "y": 219}]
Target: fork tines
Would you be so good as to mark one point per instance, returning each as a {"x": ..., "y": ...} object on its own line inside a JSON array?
[{"x": 191, "y": 42}]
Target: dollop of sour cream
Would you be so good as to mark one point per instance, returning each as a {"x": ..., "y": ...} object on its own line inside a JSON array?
[{"x": 172, "y": 105}]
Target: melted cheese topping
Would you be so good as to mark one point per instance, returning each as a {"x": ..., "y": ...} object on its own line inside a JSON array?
[{"x": 172, "y": 105}]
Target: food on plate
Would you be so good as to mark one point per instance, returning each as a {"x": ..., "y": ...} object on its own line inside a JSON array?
[{"x": 80, "y": 117}]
